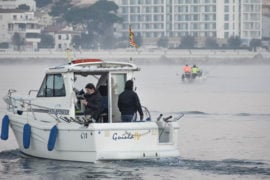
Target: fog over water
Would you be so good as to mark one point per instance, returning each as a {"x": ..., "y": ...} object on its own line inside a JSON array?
[{"x": 223, "y": 135}]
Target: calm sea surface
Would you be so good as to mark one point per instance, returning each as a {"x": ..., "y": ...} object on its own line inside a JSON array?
[{"x": 223, "y": 135}]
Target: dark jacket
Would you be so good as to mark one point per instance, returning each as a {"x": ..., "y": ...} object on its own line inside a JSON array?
[
  {"x": 94, "y": 106},
  {"x": 129, "y": 103}
]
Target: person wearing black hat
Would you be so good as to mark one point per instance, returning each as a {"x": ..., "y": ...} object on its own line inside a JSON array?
[
  {"x": 129, "y": 103},
  {"x": 92, "y": 101}
]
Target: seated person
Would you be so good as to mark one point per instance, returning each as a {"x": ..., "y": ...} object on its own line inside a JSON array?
[
  {"x": 187, "y": 69},
  {"x": 92, "y": 102},
  {"x": 194, "y": 71}
]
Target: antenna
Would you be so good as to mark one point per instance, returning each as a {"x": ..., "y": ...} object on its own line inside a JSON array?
[{"x": 68, "y": 51}]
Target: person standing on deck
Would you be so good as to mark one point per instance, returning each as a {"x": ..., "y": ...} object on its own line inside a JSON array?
[{"x": 129, "y": 103}]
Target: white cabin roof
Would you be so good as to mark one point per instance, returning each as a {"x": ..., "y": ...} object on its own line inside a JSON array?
[{"x": 92, "y": 65}]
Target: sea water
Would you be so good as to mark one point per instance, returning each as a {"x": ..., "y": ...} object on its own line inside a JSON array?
[{"x": 224, "y": 133}]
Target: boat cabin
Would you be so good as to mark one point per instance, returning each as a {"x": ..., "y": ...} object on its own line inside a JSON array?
[{"x": 63, "y": 86}]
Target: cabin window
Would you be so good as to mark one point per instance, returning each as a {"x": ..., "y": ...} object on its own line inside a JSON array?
[{"x": 52, "y": 86}]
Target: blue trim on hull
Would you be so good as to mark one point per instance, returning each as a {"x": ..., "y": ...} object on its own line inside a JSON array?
[
  {"x": 5, "y": 128},
  {"x": 52, "y": 138},
  {"x": 26, "y": 136}
]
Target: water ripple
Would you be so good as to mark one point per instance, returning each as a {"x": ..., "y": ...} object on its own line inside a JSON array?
[
  {"x": 228, "y": 166},
  {"x": 15, "y": 164}
]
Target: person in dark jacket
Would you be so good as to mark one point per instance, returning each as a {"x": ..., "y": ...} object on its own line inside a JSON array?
[
  {"x": 92, "y": 102},
  {"x": 129, "y": 103}
]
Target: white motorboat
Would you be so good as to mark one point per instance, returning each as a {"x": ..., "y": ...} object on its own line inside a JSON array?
[{"x": 51, "y": 124}]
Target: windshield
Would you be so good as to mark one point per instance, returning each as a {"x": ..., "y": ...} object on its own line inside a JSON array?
[{"x": 52, "y": 86}]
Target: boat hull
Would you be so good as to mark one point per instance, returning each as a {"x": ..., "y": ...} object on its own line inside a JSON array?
[
  {"x": 98, "y": 141},
  {"x": 190, "y": 77}
]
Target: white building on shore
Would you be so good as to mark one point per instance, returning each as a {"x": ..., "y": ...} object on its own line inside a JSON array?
[
  {"x": 62, "y": 36},
  {"x": 22, "y": 22},
  {"x": 219, "y": 19}
]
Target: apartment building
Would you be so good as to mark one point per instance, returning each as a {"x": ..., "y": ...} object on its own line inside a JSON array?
[
  {"x": 24, "y": 22},
  {"x": 19, "y": 21},
  {"x": 219, "y": 19}
]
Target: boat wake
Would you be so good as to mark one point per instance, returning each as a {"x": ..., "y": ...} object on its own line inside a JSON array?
[
  {"x": 196, "y": 112},
  {"x": 10, "y": 155},
  {"x": 216, "y": 114},
  {"x": 249, "y": 114},
  {"x": 227, "y": 166},
  {"x": 15, "y": 163}
]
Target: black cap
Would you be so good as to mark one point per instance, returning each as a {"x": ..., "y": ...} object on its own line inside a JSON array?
[
  {"x": 90, "y": 86},
  {"x": 129, "y": 85}
]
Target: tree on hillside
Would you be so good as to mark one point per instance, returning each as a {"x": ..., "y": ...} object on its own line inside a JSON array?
[
  {"x": 234, "y": 42},
  {"x": 163, "y": 42},
  {"x": 98, "y": 20},
  {"x": 4, "y": 45},
  {"x": 254, "y": 43},
  {"x": 76, "y": 41},
  {"x": 42, "y": 3},
  {"x": 60, "y": 8},
  {"x": 108, "y": 41},
  {"x": 47, "y": 41},
  {"x": 187, "y": 42},
  {"x": 211, "y": 43},
  {"x": 88, "y": 41},
  {"x": 17, "y": 41},
  {"x": 101, "y": 10},
  {"x": 23, "y": 7}
]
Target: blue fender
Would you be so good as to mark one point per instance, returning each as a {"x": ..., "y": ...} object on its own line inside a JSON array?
[
  {"x": 5, "y": 128},
  {"x": 52, "y": 138},
  {"x": 26, "y": 135}
]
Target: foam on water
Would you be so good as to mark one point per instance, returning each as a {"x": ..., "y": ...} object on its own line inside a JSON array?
[{"x": 15, "y": 164}]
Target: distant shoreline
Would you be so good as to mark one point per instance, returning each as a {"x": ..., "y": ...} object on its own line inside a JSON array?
[
  {"x": 145, "y": 61},
  {"x": 157, "y": 56}
]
